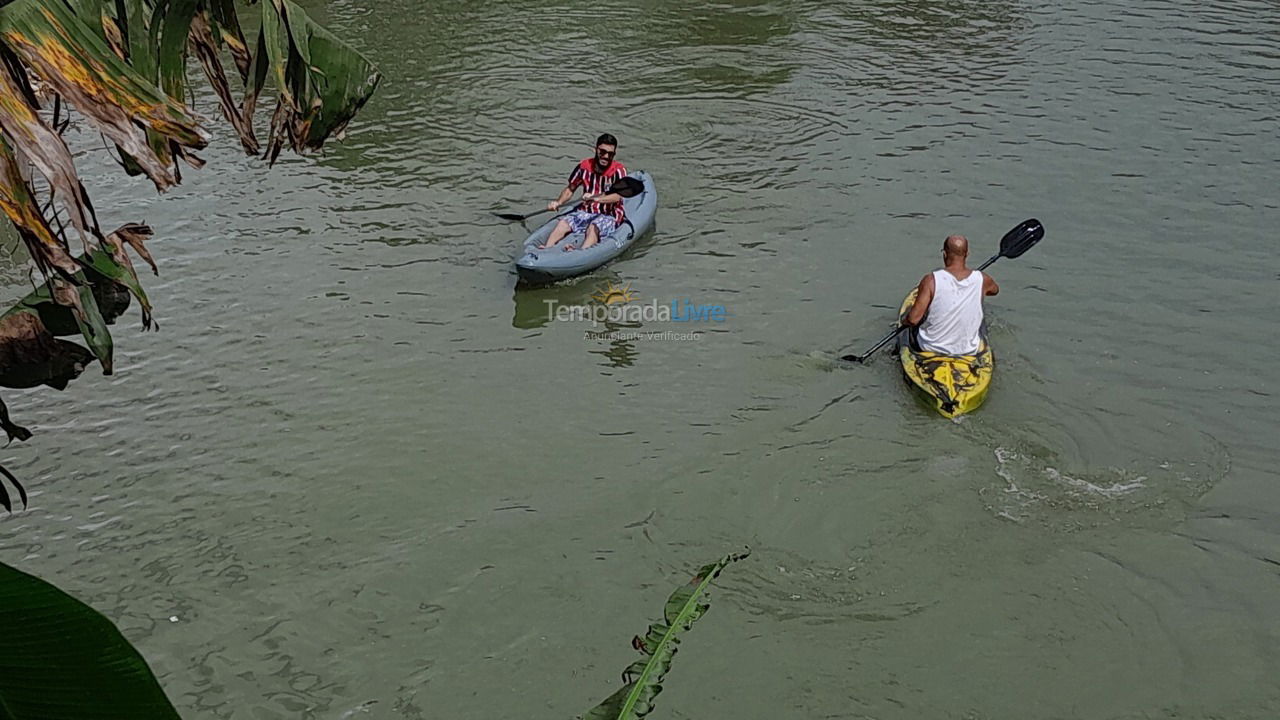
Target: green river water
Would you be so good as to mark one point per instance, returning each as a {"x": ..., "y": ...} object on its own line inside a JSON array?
[{"x": 358, "y": 473}]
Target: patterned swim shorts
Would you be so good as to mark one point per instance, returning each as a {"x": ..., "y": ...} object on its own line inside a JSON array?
[{"x": 580, "y": 219}]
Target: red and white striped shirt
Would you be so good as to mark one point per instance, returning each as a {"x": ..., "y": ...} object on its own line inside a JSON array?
[{"x": 594, "y": 182}]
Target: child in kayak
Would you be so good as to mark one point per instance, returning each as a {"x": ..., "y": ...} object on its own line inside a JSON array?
[{"x": 600, "y": 211}]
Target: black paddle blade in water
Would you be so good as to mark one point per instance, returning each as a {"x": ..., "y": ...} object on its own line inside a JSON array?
[{"x": 1022, "y": 238}]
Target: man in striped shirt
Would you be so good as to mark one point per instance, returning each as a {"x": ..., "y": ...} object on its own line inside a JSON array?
[{"x": 600, "y": 211}]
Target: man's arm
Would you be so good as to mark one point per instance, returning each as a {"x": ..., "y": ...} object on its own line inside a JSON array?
[
  {"x": 924, "y": 296},
  {"x": 575, "y": 181},
  {"x": 606, "y": 199},
  {"x": 561, "y": 199},
  {"x": 989, "y": 286}
]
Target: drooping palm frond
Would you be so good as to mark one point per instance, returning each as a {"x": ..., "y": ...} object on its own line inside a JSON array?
[
  {"x": 317, "y": 99},
  {"x": 83, "y": 303},
  {"x": 76, "y": 61},
  {"x": 48, "y": 250},
  {"x": 122, "y": 65}
]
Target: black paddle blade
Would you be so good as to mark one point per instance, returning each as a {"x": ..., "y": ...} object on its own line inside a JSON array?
[
  {"x": 510, "y": 216},
  {"x": 1021, "y": 239},
  {"x": 627, "y": 187}
]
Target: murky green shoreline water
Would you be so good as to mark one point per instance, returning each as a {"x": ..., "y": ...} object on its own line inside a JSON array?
[{"x": 359, "y": 467}]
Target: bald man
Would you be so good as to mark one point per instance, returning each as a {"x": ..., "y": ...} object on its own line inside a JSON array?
[{"x": 948, "y": 307}]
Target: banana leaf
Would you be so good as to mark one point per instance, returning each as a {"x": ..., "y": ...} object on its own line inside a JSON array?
[
  {"x": 78, "y": 63},
  {"x": 62, "y": 660},
  {"x": 122, "y": 65},
  {"x": 133, "y": 24},
  {"x": 93, "y": 326},
  {"x": 644, "y": 677},
  {"x": 19, "y": 204},
  {"x": 111, "y": 262},
  {"x": 35, "y": 141},
  {"x": 168, "y": 30},
  {"x": 322, "y": 81},
  {"x": 89, "y": 11},
  {"x": 153, "y": 37},
  {"x": 205, "y": 43},
  {"x": 229, "y": 32},
  {"x": 170, "y": 26},
  {"x": 84, "y": 303},
  {"x": 111, "y": 297},
  {"x": 68, "y": 293}
]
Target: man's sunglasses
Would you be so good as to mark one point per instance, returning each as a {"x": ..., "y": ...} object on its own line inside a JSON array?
[{"x": 606, "y": 153}]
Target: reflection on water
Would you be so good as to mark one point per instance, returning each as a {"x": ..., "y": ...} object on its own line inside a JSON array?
[
  {"x": 535, "y": 306},
  {"x": 621, "y": 351}
]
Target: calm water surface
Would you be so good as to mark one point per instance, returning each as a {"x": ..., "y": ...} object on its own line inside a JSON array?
[{"x": 359, "y": 474}]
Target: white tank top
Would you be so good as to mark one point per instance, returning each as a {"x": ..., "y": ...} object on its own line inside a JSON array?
[{"x": 955, "y": 315}]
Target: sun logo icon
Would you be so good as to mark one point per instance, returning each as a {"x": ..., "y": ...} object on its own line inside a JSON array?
[{"x": 614, "y": 294}]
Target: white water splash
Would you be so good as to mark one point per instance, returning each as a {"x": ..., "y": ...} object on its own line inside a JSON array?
[{"x": 1115, "y": 489}]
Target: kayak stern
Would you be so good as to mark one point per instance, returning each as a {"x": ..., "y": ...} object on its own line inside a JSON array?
[{"x": 953, "y": 384}]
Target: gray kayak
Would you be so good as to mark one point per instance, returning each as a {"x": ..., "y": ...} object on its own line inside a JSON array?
[{"x": 544, "y": 266}]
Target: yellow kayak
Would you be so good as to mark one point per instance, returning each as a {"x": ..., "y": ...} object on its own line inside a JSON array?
[{"x": 955, "y": 384}]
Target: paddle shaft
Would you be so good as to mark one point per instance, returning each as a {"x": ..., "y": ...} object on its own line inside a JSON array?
[
  {"x": 883, "y": 341},
  {"x": 539, "y": 212},
  {"x": 625, "y": 187},
  {"x": 571, "y": 201},
  {"x": 522, "y": 218},
  {"x": 543, "y": 210},
  {"x": 990, "y": 260}
]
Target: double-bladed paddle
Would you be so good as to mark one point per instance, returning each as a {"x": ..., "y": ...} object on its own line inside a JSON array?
[
  {"x": 1014, "y": 243},
  {"x": 627, "y": 187}
]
